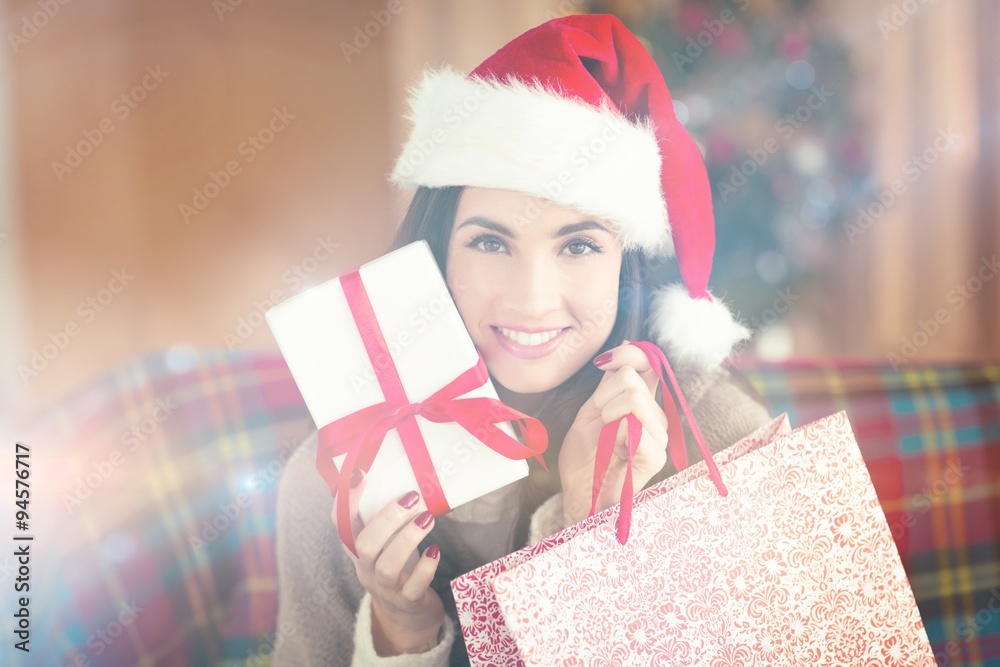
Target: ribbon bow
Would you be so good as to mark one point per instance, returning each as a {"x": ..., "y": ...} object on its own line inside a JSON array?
[
  {"x": 675, "y": 442},
  {"x": 359, "y": 435}
]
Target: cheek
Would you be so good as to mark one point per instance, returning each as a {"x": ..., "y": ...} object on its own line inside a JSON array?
[
  {"x": 469, "y": 285},
  {"x": 597, "y": 296}
]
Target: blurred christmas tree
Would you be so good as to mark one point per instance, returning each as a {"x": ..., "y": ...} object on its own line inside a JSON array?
[{"x": 765, "y": 88}]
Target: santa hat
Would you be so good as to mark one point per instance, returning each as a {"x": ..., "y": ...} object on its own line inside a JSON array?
[{"x": 576, "y": 111}]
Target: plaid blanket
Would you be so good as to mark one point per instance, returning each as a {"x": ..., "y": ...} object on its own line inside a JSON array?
[
  {"x": 159, "y": 537},
  {"x": 930, "y": 437},
  {"x": 156, "y": 531}
]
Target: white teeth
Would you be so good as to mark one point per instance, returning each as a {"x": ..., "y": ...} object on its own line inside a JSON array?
[{"x": 530, "y": 339}]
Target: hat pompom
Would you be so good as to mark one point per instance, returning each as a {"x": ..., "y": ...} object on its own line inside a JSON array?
[{"x": 696, "y": 331}]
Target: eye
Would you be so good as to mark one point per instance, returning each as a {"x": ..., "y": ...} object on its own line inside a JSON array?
[
  {"x": 485, "y": 241},
  {"x": 585, "y": 246}
]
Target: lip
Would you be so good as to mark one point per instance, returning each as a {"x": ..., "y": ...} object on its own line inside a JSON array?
[{"x": 529, "y": 351}]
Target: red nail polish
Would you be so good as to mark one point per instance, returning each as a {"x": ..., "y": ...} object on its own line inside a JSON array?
[
  {"x": 424, "y": 520},
  {"x": 356, "y": 478},
  {"x": 409, "y": 500},
  {"x": 432, "y": 551},
  {"x": 603, "y": 358}
]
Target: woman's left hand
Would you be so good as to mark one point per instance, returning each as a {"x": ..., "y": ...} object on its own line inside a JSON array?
[{"x": 628, "y": 386}]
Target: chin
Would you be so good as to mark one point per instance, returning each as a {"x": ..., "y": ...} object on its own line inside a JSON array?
[{"x": 529, "y": 378}]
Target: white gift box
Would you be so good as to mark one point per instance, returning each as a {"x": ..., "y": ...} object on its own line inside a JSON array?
[{"x": 429, "y": 346}]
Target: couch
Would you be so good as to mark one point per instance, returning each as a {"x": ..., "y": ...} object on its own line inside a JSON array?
[{"x": 159, "y": 531}]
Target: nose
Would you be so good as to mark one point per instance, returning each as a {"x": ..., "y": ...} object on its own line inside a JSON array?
[{"x": 535, "y": 288}]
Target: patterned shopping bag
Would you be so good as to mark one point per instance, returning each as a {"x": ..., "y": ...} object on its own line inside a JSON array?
[
  {"x": 488, "y": 640},
  {"x": 794, "y": 566}
]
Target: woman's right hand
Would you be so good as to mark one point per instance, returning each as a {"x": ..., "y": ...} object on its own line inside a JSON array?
[
  {"x": 407, "y": 614},
  {"x": 628, "y": 387}
]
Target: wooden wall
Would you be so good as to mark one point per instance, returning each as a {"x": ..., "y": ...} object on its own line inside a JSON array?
[{"x": 224, "y": 67}]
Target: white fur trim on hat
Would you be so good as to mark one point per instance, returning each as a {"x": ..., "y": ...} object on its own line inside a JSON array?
[
  {"x": 700, "y": 332},
  {"x": 511, "y": 135}
]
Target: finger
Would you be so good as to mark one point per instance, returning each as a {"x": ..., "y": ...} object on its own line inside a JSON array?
[
  {"x": 652, "y": 446},
  {"x": 373, "y": 538},
  {"x": 637, "y": 401},
  {"x": 392, "y": 563},
  {"x": 619, "y": 381},
  {"x": 402, "y": 576},
  {"x": 651, "y": 451},
  {"x": 415, "y": 587},
  {"x": 630, "y": 355},
  {"x": 354, "y": 559},
  {"x": 358, "y": 482},
  {"x": 650, "y": 456},
  {"x": 411, "y": 562}
]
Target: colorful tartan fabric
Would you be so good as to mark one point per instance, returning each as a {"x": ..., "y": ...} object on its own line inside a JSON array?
[
  {"x": 205, "y": 468},
  {"x": 122, "y": 578},
  {"x": 930, "y": 436}
]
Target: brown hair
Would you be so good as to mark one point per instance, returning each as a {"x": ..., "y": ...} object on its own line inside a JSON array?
[{"x": 430, "y": 217}]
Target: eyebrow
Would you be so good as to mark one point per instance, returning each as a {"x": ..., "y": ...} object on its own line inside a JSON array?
[{"x": 504, "y": 231}]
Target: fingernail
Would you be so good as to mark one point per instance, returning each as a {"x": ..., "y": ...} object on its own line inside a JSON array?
[
  {"x": 409, "y": 500},
  {"x": 424, "y": 520},
  {"x": 356, "y": 478},
  {"x": 603, "y": 358},
  {"x": 432, "y": 551}
]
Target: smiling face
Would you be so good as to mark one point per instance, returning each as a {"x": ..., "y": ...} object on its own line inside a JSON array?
[{"x": 536, "y": 285}]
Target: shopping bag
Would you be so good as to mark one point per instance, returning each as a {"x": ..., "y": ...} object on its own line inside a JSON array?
[
  {"x": 487, "y": 638},
  {"x": 796, "y": 565}
]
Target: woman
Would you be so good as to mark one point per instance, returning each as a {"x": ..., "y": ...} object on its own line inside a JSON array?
[{"x": 543, "y": 185}]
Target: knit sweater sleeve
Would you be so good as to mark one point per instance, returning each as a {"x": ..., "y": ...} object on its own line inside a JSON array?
[
  {"x": 725, "y": 415},
  {"x": 364, "y": 647},
  {"x": 324, "y": 613}
]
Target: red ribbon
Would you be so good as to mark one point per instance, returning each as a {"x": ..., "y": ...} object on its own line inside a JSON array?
[
  {"x": 675, "y": 442},
  {"x": 359, "y": 435}
]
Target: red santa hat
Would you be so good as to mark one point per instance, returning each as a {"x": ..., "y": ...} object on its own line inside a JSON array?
[{"x": 576, "y": 111}]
